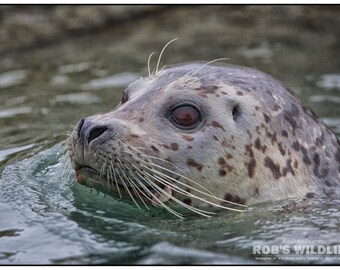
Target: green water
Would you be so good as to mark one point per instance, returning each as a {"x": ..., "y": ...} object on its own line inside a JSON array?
[{"x": 45, "y": 217}]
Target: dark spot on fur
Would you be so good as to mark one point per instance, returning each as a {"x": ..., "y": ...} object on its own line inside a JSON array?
[
  {"x": 284, "y": 133},
  {"x": 207, "y": 89},
  {"x": 174, "y": 146},
  {"x": 259, "y": 146},
  {"x": 296, "y": 164},
  {"x": 250, "y": 135},
  {"x": 239, "y": 93},
  {"x": 273, "y": 138},
  {"x": 188, "y": 138},
  {"x": 328, "y": 183},
  {"x": 141, "y": 120},
  {"x": 289, "y": 116},
  {"x": 337, "y": 156},
  {"x": 288, "y": 168},
  {"x": 296, "y": 146},
  {"x": 224, "y": 165},
  {"x": 224, "y": 143},
  {"x": 193, "y": 163},
  {"x": 251, "y": 168},
  {"x": 234, "y": 198},
  {"x": 328, "y": 192},
  {"x": 310, "y": 195},
  {"x": 281, "y": 149},
  {"x": 305, "y": 158},
  {"x": 165, "y": 146},
  {"x": 269, "y": 163},
  {"x": 187, "y": 201},
  {"x": 257, "y": 108},
  {"x": 189, "y": 147},
  {"x": 249, "y": 151},
  {"x": 277, "y": 107},
  {"x": 168, "y": 159},
  {"x": 155, "y": 149},
  {"x": 258, "y": 130},
  {"x": 217, "y": 125},
  {"x": 221, "y": 161},
  {"x": 316, "y": 169},
  {"x": 229, "y": 156},
  {"x": 134, "y": 136},
  {"x": 203, "y": 95},
  {"x": 215, "y": 138},
  {"x": 256, "y": 192},
  {"x": 222, "y": 172},
  {"x": 266, "y": 118}
]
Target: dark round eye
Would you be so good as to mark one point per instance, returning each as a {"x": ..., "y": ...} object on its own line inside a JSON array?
[
  {"x": 124, "y": 98},
  {"x": 185, "y": 116}
]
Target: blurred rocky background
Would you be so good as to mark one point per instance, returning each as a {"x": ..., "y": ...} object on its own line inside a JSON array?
[{"x": 26, "y": 26}]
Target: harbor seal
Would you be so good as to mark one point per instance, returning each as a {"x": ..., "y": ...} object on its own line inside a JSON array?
[{"x": 207, "y": 134}]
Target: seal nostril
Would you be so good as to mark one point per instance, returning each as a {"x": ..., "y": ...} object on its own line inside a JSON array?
[
  {"x": 80, "y": 126},
  {"x": 96, "y": 132}
]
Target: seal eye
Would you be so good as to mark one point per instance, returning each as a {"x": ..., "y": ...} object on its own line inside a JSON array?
[
  {"x": 185, "y": 116},
  {"x": 124, "y": 98}
]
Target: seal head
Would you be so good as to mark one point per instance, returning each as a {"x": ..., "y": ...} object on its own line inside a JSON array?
[{"x": 216, "y": 135}]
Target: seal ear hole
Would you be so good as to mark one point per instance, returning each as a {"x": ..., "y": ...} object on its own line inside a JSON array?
[{"x": 236, "y": 112}]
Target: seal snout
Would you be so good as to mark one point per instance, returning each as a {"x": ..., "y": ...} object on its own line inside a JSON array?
[{"x": 89, "y": 131}]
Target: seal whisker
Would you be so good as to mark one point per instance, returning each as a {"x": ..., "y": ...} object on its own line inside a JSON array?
[
  {"x": 196, "y": 210},
  {"x": 133, "y": 185},
  {"x": 109, "y": 177},
  {"x": 175, "y": 173},
  {"x": 193, "y": 209},
  {"x": 160, "y": 55},
  {"x": 196, "y": 197},
  {"x": 204, "y": 65},
  {"x": 175, "y": 180},
  {"x": 157, "y": 199},
  {"x": 149, "y": 59},
  {"x": 188, "y": 83},
  {"x": 114, "y": 178},
  {"x": 124, "y": 184},
  {"x": 163, "y": 68},
  {"x": 102, "y": 169}
]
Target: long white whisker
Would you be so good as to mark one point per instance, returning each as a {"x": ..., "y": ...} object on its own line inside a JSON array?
[
  {"x": 134, "y": 186},
  {"x": 192, "y": 195},
  {"x": 185, "y": 185},
  {"x": 160, "y": 55},
  {"x": 198, "y": 211},
  {"x": 204, "y": 65},
  {"x": 114, "y": 178},
  {"x": 124, "y": 184},
  {"x": 175, "y": 173},
  {"x": 158, "y": 200},
  {"x": 149, "y": 59}
]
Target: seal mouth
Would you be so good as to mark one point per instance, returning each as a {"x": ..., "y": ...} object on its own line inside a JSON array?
[{"x": 90, "y": 177}]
